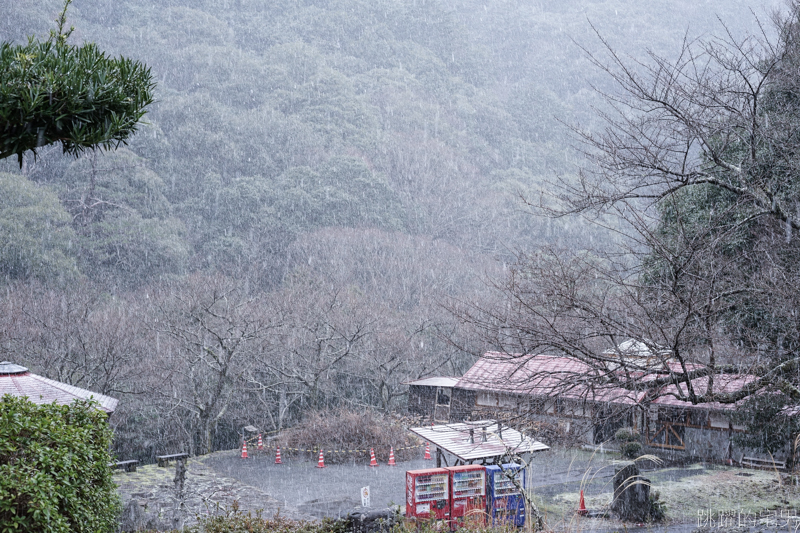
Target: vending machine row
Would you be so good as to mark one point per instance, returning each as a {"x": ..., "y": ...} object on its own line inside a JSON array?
[{"x": 467, "y": 493}]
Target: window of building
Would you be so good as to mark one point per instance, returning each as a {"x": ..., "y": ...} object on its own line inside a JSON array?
[{"x": 487, "y": 399}]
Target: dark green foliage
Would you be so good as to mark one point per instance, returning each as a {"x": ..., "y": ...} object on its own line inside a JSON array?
[
  {"x": 706, "y": 225},
  {"x": 54, "y": 473},
  {"x": 626, "y": 435},
  {"x": 241, "y": 523},
  {"x": 767, "y": 428},
  {"x": 629, "y": 442},
  {"x": 630, "y": 450},
  {"x": 658, "y": 507},
  {"x": 54, "y": 92},
  {"x": 121, "y": 218},
  {"x": 35, "y": 232}
]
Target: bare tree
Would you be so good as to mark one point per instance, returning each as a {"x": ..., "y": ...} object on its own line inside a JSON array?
[
  {"x": 393, "y": 283},
  {"x": 214, "y": 334},
  {"x": 695, "y": 172},
  {"x": 86, "y": 337},
  {"x": 323, "y": 334}
]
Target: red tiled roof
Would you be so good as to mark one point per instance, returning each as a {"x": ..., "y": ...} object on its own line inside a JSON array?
[
  {"x": 723, "y": 383},
  {"x": 17, "y": 381},
  {"x": 542, "y": 375},
  {"x": 567, "y": 377}
]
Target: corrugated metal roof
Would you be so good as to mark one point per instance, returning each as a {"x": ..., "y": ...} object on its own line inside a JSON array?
[
  {"x": 434, "y": 382},
  {"x": 41, "y": 390},
  {"x": 455, "y": 439},
  {"x": 670, "y": 367}
]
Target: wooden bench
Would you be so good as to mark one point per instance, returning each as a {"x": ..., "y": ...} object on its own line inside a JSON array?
[
  {"x": 757, "y": 462},
  {"x": 129, "y": 465},
  {"x": 163, "y": 460}
]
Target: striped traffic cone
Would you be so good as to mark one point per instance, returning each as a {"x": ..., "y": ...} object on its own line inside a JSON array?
[
  {"x": 244, "y": 449},
  {"x": 321, "y": 462},
  {"x": 278, "y": 456},
  {"x": 391, "y": 457},
  {"x": 428, "y": 451},
  {"x": 372, "y": 461},
  {"x": 260, "y": 443}
]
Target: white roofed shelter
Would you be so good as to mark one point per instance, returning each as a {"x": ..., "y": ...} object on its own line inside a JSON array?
[{"x": 483, "y": 441}]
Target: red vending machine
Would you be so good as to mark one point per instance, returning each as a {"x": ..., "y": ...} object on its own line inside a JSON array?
[
  {"x": 428, "y": 494},
  {"x": 467, "y": 495}
]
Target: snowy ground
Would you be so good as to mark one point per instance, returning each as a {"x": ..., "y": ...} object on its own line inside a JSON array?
[
  {"x": 691, "y": 492},
  {"x": 331, "y": 491},
  {"x": 711, "y": 495}
]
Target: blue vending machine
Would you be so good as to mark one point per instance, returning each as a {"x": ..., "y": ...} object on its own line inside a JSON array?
[{"x": 504, "y": 502}]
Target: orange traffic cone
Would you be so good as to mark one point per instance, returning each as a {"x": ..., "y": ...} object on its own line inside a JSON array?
[
  {"x": 278, "y": 456},
  {"x": 391, "y": 457},
  {"x": 582, "y": 506},
  {"x": 372, "y": 461},
  {"x": 260, "y": 443},
  {"x": 321, "y": 462},
  {"x": 244, "y": 449},
  {"x": 428, "y": 451}
]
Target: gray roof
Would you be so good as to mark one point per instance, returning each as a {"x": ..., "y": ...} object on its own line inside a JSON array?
[
  {"x": 455, "y": 439},
  {"x": 7, "y": 368}
]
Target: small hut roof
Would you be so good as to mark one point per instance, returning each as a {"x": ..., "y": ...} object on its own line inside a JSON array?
[
  {"x": 18, "y": 381},
  {"x": 456, "y": 440}
]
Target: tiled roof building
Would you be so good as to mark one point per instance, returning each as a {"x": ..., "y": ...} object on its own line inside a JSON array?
[
  {"x": 19, "y": 381},
  {"x": 568, "y": 393}
]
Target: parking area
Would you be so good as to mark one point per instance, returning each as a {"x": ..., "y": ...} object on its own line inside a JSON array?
[
  {"x": 331, "y": 491},
  {"x": 335, "y": 490},
  {"x": 557, "y": 478},
  {"x": 694, "y": 494}
]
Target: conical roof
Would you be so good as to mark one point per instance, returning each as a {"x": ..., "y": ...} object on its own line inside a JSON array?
[{"x": 18, "y": 381}]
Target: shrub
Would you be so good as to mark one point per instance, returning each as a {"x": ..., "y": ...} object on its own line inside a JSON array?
[
  {"x": 350, "y": 435},
  {"x": 246, "y": 523},
  {"x": 630, "y": 450},
  {"x": 629, "y": 445},
  {"x": 55, "y": 92},
  {"x": 658, "y": 508},
  {"x": 626, "y": 435},
  {"x": 54, "y": 468}
]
